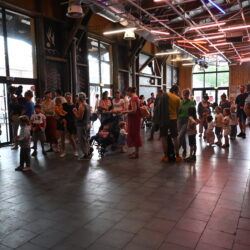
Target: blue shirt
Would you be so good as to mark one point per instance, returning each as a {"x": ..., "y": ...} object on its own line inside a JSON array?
[{"x": 29, "y": 109}]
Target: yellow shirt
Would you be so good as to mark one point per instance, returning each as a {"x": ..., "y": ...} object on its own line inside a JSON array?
[{"x": 174, "y": 103}]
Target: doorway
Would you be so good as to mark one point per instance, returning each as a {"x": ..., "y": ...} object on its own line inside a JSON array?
[
  {"x": 4, "y": 114},
  {"x": 214, "y": 94}
]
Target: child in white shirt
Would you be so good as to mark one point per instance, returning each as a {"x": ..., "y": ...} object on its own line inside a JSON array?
[
  {"x": 122, "y": 136},
  {"x": 210, "y": 130},
  {"x": 38, "y": 123},
  {"x": 24, "y": 142},
  {"x": 226, "y": 126},
  {"x": 218, "y": 124},
  {"x": 192, "y": 131},
  {"x": 233, "y": 122}
]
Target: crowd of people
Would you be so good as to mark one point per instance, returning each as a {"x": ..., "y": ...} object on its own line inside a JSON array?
[{"x": 52, "y": 120}]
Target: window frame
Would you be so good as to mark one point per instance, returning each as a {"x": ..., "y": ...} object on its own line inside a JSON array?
[{"x": 100, "y": 61}]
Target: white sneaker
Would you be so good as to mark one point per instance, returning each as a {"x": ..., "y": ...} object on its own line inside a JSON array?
[
  {"x": 76, "y": 154},
  {"x": 62, "y": 154}
]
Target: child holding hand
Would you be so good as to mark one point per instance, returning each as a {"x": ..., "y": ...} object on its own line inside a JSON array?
[
  {"x": 192, "y": 131},
  {"x": 24, "y": 142},
  {"x": 38, "y": 122},
  {"x": 122, "y": 136},
  {"x": 226, "y": 126}
]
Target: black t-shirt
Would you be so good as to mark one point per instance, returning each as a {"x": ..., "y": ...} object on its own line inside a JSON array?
[
  {"x": 70, "y": 117},
  {"x": 240, "y": 100},
  {"x": 16, "y": 108}
]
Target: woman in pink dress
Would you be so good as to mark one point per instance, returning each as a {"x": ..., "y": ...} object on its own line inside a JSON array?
[{"x": 134, "y": 123}]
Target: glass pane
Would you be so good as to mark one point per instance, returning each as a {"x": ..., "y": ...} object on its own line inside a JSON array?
[
  {"x": 211, "y": 68},
  {"x": 198, "y": 80},
  {"x": 109, "y": 91},
  {"x": 148, "y": 70},
  {"x": 94, "y": 90},
  {"x": 4, "y": 119},
  {"x": 20, "y": 45},
  {"x": 144, "y": 80},
  {"x": 27, "y": 87},
  {"x": 93, "y": 58},
  {"x": 210, "y": 80},
  {"x": 93, "y": 70},
  {"x": 223, "y": 79},
  {"x": 142, "y": 59},
  {"x": 222, "y": 91},
  {"x": 211, "y": 94},
  {"x": 105, "y": 52},
  {"x": 197, "y": 96},
  {"x": 197, "y": 69},
  {"x": 2, "y": 55},
  {"x": 223, "y": 66},
  {"x": 169, "y": 76},
  {"x": 146, "y": 91},
  {"x": 105, "y": 71}
]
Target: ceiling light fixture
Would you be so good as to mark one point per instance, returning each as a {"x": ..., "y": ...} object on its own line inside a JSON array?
[
  {"x": 167, "y": 38},
  {"x": 220, "y": 44},
  {"x": 159, "y": 32},
  {"x": 129, "y": 35},
  {"x": 191, "y": 41},
  {"x": 217, "y": 6},
  {"x": 174, "y": 52},
  {"x": 209, "y": 38},
  {"x": 159, "y": 20},
  {"x": 215, "y": 53},
  {"x": 182, "y": 59},
  {"x": 235, "y": 28},
  {"x": 188, "y": 64},
  {"x": 118, "y": 31},
  {"x": 245, "y": 54},
  {"x": 247, "y": 59},
  {"x": 206, "y": 26}
]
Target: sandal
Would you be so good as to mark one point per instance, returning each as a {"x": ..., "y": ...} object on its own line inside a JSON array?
[
  {"x": 129, "y": 155},
  {"x": 134, "y": 156}
]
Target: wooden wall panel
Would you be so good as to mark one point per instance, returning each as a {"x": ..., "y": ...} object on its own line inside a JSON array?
[
  {"x": 185, "y": 77},
  {"x": 239, "y": 74}
]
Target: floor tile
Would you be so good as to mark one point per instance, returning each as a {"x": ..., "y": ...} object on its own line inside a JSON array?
[
  {"x": 183, "y": 238},
  {"x": 17, "y": 238},
  {"x": 149, "y": 239},
  {"x": 192, "y": 225},
  {"x": 49, "y": 238},
  {"x": 130, "y": 225},
  {"x": 217, "y": 238},
  {"x": 116, "y": 238}
]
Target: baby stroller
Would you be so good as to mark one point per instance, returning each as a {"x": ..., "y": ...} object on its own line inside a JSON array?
[
  {"x": 106, "y": 137},
  {"x": 147, "y": 122}
]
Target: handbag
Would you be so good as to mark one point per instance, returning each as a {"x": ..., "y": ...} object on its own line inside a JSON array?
[{"x": 144, "y": 112}]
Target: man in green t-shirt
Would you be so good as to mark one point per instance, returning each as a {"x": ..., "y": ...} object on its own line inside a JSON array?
[{"x": 183, "y": 119}]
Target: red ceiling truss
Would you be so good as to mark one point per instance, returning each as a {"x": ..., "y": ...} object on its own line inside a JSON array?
[{"x": 178, "y": 16}]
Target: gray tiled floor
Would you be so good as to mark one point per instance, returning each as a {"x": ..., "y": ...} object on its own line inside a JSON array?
[{"x": 116, "y": 203}]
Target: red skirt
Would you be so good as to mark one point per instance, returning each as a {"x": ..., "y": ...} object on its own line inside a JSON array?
[
  {"x": 134, "y": 130},
  {"x": 50, "y": 130}
]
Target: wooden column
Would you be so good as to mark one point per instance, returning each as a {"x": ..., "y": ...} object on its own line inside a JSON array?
[
  {"x": 115, "y": 67},
  {"x": 73, "y": 66},
  {"x": 40, "y": 53}
]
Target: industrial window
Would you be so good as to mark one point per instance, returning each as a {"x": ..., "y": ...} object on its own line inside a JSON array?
[{"x": 213, "y": 81}]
